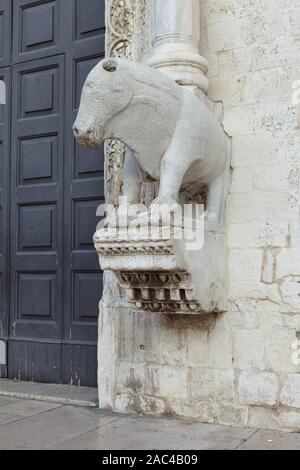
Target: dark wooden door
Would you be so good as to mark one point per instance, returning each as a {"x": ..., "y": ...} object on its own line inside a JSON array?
[
  {"x": 4, "y": 220},
  {"x": 55, "y": 187}
]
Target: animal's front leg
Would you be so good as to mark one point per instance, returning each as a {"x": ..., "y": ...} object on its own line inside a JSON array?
[
  {"x": 171, "y": 177},
  {"x": 131, "y": 192}
]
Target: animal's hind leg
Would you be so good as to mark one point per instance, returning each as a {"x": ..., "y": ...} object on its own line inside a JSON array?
[
  {"x": 179, "y": 156},
  {"x": 132, "y": 182},
  {"x": 216, "y": 200}
]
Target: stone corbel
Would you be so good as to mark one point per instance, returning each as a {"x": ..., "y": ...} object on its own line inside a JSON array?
[
  {"x": 162, "y": 274},
  {"x": 176, "y": 146}
]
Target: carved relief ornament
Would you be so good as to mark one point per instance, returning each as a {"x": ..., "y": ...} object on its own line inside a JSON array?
[{"x": 126, "y": 36}]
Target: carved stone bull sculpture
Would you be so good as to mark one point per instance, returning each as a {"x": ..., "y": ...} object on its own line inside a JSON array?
[{"x": 172, "y": 136}]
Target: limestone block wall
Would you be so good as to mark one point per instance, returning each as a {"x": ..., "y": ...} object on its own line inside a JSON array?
[{"x": 243, "y": 367}]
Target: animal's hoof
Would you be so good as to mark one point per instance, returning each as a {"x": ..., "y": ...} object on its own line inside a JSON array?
[
  {"x": 212, "y": 222},
  {"x": 164, "y": 211},
  {"x": 170, "y": 204}
]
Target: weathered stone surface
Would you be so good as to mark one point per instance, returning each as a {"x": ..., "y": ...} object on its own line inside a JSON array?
[
  {"x": 288, "y": 263},
  {"x": 220, "y": 353},
  {"x": 246, "y": 264},
  {"x": 233, "y": 414},
  {"x": 173, "y": 382},
  {"x": 264, "y": 417},
  {"x": 279, "y": 349},
  {"x": 249, "y": 350},
  {"x": 258, "y": 235},
  {"x": 258, "y": 388},
  {"x": 212, "y": 384},
  {"x": 203, "y": 411},
  {"x": 252, "y": 150},
  {"x": 290, "y": 393},
  {"x": 290, "y": 292},
  {"x": 140, "y": 404},
  {"x": 173, "y": 346}
]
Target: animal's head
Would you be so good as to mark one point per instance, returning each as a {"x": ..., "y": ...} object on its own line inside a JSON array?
[{"x": 104, "y": 95}]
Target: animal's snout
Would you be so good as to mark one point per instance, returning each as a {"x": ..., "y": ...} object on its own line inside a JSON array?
[
  {"x": 82, "y": 132},
  {"x": 78, "y": 132},
  {"x": 85, "y": 136}
]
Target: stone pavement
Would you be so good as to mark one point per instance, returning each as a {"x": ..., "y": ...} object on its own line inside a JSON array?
[
  {"x": 34, "y": 424},
  {"x": 61, "y": 394}
]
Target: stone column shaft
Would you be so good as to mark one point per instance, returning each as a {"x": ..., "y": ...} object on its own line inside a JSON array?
[{"x": 175, "y": 31}]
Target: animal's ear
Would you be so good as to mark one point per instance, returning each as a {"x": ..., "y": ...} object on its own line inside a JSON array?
[{"x": 110, "y": 65}]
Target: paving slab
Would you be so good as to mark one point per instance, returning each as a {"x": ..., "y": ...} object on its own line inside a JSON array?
[
  {"x": 272, "y": 440},
  {"x": 145, "y": 433},
  {"x": 12, "y": 388},
  {"x": 49, "y": 428},
  {"x": 26, "y": 424},
  {"x": 7, "y": 401},
  {"x": 228, "y": 438},
  {"x": 6, "y": 418},
  {"x": 62, "y": 394},
  {"x": 67, "y": 394},
  {"x": 27, "y": 408}
]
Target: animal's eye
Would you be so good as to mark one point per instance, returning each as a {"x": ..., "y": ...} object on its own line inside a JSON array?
[{"x": 110, "y": 65}]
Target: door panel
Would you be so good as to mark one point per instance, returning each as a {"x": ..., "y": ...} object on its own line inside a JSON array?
[
  {"x": 35, "y": 361},
  {"x": 79, "y": 364},
  {"x": 4, "y": 190},
  {"x": 39, "y": 28},
  {"x": 36, "y": 211},
  {"x": 5, "y": 32},
  {"x": 88, "y": 28},
  {"x": 84, "y": 191}
]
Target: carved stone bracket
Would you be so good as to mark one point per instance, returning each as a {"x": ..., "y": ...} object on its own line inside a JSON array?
[{"x": 160, "y": 275}]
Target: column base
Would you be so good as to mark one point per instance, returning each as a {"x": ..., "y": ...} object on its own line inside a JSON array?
[{"x": 183, "y": 66}]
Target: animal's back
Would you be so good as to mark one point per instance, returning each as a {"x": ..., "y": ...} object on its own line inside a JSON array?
[
  {"x": 150, "y": 77},
  {"x": 201, "y": 139}
]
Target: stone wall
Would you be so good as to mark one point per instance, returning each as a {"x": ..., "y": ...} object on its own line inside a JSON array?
[{"x": 243, "y": 367}]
